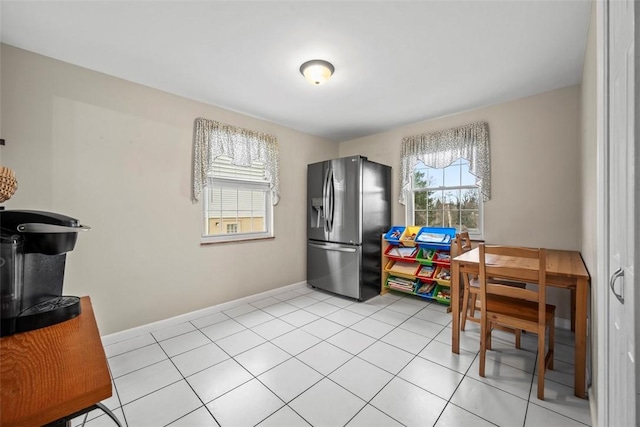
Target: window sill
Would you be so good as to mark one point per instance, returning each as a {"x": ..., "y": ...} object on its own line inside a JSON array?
[{"x": 204, "y": 241}]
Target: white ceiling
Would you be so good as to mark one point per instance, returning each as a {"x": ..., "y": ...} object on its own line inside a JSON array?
[{"x": 397, "y": 62}]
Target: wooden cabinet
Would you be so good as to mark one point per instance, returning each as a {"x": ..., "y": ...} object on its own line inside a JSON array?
[{"x": 417, "y": 261}]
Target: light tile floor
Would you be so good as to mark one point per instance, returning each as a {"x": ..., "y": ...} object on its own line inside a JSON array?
[{"x": 306, "y": 357}]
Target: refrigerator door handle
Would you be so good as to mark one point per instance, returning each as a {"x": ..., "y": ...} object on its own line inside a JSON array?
[
  {"x": 332, "y": 196},
  {"x": 332, "y": 248},
  {"x": 325, "y": 200}
]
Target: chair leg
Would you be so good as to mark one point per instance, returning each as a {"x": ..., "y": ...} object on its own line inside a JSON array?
[
  {"x": 552, "y": 340},
  {"x": 541, "y": 384},
  {"x": 483, "y": 345},
  {"x": 541, "y": 362},
  {"x": 518, "y": 334},
  {"x": 465, "y": 307},
  {"x": 474, "y": 299}
]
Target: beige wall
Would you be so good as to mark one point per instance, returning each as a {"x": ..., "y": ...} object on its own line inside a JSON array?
[
  {"x": 535, "y": 170},
  {"x": 588, "y": 117},
  {"x": 117, "y": 156}
]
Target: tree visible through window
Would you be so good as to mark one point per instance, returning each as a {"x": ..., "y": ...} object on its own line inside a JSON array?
[{"x": 446, "y": 197}]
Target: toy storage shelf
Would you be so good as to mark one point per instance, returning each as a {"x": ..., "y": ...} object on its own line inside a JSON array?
[{"x": 417, "y": 261}]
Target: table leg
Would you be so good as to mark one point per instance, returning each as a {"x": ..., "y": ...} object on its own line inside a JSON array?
[
  {"x": 581, "y": 339},
  {"x": 455, "y": 307},
  {"x": 573, "y": 310}
]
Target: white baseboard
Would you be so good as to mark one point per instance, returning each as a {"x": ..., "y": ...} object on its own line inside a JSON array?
[
  {"x": 563, "y": 323},
  {"x": 161, "y": 324},
  {"x": 593, "y": 407}
]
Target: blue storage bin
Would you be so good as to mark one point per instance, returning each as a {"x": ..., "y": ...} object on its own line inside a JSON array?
[
  {"x": 436, "y": 237},
  {"x": 426, "y": 289},
  {"x": 394, "y": 234}
]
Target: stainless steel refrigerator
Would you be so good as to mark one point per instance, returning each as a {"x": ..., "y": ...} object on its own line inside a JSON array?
[{"x": 348, "y": 209}]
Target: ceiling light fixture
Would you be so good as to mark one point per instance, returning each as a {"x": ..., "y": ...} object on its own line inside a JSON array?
[{"x": 317, "y": 71}]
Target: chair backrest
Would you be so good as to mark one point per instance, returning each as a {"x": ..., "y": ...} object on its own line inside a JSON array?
[
  {"x": 463, "y": 245},
  {"x": 513, "y": 263},
  {"x": 463, "y": 242}
]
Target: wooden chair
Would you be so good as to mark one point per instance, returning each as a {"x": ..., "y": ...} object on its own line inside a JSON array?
[
  {"x": 471, "y": 286},
  {"x": 513, "y": 307},
  {"x": 463, "y": 244}
]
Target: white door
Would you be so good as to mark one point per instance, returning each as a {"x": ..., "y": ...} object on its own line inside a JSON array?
[{"x": 621, "y": 329}]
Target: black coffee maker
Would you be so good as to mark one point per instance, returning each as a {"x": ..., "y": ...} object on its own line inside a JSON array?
[{"x": 34, "y": 246}]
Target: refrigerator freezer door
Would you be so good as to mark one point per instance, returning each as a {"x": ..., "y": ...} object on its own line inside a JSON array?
[
  {"x": 334, "y": 200},
  {"x": 334, "y": 268},
  {"x": 316, "y": 184}
]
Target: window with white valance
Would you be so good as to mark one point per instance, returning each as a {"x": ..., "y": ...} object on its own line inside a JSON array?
[
  {"x": 440, "y": 149},
  {"x": 236, "y": 175},
  {"x": 445, "y": 176}
]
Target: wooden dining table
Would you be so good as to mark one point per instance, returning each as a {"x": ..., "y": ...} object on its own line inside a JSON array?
[{"x": 565, "y": 269}]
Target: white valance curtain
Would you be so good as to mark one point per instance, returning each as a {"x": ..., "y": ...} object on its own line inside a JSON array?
[
  {"x": 243, "y": 146},
  {"x": 440, "y": 149}
]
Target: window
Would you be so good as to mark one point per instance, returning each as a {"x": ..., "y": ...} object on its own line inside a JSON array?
[
  {"x": 237, "y": 202},
  {"x": 445, "y": 197},
  {"x": 445, "y": 176},
  {"x": 236, "y": 171}
]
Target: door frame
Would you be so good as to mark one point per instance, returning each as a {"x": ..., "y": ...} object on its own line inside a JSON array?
[
  {"x": 600, "y": 405},
  {"x": 600, "y": 289}
]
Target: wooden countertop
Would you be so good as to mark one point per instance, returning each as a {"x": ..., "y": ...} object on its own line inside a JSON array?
[{"x": 52, "y": 372}]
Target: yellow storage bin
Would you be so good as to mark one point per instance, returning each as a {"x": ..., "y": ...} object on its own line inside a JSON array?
[
  {"x": 408, "y": 238},
  {"x": 443, "y": 275}
]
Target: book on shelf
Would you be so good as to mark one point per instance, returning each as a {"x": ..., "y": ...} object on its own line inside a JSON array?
[
  {"x": 401, "y": 280},
  {"x": 444, "y": 274},
  {"x": 394, "y": 251},
  {"x": 426, "y": 271},
  {"x": 397, "y": 288},
  {"x": 426, "y": 288},
  {"x": 403, "y": 267},
  {"x": 400, "y": 285},
  {"x": 434, "y": 238},
  {"x": 443, "y": 256},
  {"x": 403, "y": 252},
  {"x": 428, "y": 253}
]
